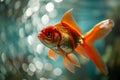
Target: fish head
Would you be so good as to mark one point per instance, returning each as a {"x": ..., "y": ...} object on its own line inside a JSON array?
[{"x": 49, "y": 36}]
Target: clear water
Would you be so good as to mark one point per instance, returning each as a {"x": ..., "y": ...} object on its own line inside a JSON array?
[{"x": 23, "y": 57}]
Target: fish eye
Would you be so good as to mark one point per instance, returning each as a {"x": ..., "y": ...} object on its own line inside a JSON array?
[{"x": 49, "y": 34}]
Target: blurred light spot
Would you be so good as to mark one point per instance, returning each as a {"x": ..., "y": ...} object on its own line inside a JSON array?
[
  {"x": 28, "y": 12},
  {"x": 1, "y": 0},
  {"x": 12, "y": 49},
  {"x": 21, "y": 32},
  {"x": 17, "y": 5},
  {"x": 49, "y": 7},
  {"x": 30, "y": 58},
  {"x": 43, "y": 78},
  {"x": 35, "y": 19},
  {"x": 3, "y": 57},
  {"x": 32, "y": 67},
  {"x": 36, "y": 8},
  {"x": 3, "y": 70},
  {"x": 10, "y": 12},
  {"x": 39, "y": 74},
  {"x": 39, "y": 65},
  {"x": 39, "y": 48},
  {"x": 24, "y": 66},
  {"x": 58, "y": 1},
  {"x": 113, "y": 3},
  {"x": 30, "y": 39},
  {"x": 53, "y": 14},
  {"x": 7, "y": 1},
  {"x": 48, "y": 67},
  {"x": 49, "y": 79},
  {"x": 45, "y": 19},
  {"x": 3, "y": 36},
  {"x": 33, "y": 3},
  {"x": 24, "y": 18},
  {"x": 57, "y": 71},
  {"x": 30, "y": 72}
]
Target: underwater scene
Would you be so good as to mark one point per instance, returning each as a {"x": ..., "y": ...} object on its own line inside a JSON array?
[{"x": 59, "y": 39}]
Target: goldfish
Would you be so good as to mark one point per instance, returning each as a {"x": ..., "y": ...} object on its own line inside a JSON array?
[{"x": 65, "y": 37}]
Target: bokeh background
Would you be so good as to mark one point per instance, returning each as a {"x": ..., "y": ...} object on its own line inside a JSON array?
[{"x": 24, "y": 57}]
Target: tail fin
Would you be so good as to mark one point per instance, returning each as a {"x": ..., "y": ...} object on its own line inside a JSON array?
[{"x": 100, "y": 30}]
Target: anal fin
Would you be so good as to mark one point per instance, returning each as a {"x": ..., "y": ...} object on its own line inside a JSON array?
[
  {"x": 73, "y": 59},
  {"x": 70, "y": 60},
  {"x": 69, "y": 65},
  {"x": 81, "y": 51}
]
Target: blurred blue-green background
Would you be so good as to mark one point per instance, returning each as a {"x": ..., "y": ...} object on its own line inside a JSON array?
[{"x": 24, "y": 57}]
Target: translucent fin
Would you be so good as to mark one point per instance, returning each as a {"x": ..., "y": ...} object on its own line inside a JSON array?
[
  {"x": 70, "y": 22},
  {"x": 52, "y": 54},
  {"x": 70, "y": 60},
  {"x": 94, "y": 55},
  {"x": 99, "y": 30},
  {"x": 73, "y": 59},
  {"x": 81, "y": 51},
  {"x": 69, "y": 65}
]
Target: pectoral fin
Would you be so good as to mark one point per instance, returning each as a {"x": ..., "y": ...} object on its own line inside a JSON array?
[{"x": 52, "y": 54}]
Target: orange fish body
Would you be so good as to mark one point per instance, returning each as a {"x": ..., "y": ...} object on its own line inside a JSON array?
[{"x": 65, "y": 37}]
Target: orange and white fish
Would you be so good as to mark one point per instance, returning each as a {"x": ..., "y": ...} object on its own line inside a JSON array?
[{"x": 65, "y": 37}]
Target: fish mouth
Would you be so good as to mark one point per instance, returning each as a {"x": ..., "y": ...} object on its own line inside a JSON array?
[{"x": 40, "y": 36}]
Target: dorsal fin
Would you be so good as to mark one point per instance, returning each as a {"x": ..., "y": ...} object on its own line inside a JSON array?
[{"x": 70, "y": 22}]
